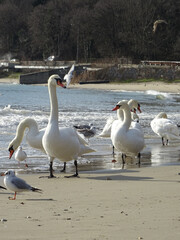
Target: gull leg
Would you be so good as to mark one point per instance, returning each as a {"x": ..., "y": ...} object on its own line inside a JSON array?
[{"x": 13, "y": 198}]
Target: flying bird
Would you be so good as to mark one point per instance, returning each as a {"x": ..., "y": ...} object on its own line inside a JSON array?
[
  {"x": 156, "y": 24},
  {"x": 16, "y": 184},
  {"x": 69, "y": 75}
]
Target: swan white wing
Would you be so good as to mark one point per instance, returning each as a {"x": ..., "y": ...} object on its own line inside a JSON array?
[
  {"x": 106, "y": 132},
  {"x": 165, "y": 128}
]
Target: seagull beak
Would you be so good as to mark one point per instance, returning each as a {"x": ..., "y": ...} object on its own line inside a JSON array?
[
  {"x": 116, "y": 108},
  {"x": 2, "y": 174}
]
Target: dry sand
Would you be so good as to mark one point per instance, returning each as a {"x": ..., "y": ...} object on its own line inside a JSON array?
[
  {"x": 156, "y": 86},
  {"x": 142, "y": 203}
]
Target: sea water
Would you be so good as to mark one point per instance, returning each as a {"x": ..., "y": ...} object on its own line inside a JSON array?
[{"x": 83, "y": 106}]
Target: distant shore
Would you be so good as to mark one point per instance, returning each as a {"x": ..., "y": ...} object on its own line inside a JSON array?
[{"x": 132, "y": 86}]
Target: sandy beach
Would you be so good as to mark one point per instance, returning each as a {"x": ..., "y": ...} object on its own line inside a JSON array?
[
  {"x": 133, "y": 86},
  {"x": 117, "y": 204},
  {"x": 114, "y": 204}
]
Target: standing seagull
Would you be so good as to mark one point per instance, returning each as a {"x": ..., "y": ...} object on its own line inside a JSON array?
[
  {"x": 20, "y": 155},
  {"x": 69, "y": 75},
  {"x": 16, "y": 184}
]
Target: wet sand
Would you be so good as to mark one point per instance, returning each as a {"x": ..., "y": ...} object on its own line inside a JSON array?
[
  {"x": 133, "y": 86},
  {"x": 112, "y": 204}
]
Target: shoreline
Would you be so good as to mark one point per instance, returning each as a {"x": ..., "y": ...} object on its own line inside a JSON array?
[
  {"x": 116, "y": 204},
  {"x": 133, "y": 86}
]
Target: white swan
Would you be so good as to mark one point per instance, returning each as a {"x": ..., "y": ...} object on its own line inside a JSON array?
[
  {"x": 165, "y": 128},
  {"x": 33, "y": 137},
  {"x": 125, "y": 139},
  {"x": 69, "y": 75},
  {"x": 62, "y": 143},
  {"x": 133, "y": 104}
]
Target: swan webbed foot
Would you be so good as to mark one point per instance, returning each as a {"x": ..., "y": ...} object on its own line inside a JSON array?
[
  {"x": 74, "y": 175},
  {"x": 51, "y": 176}
]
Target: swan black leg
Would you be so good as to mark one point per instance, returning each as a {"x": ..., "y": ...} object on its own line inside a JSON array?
[
  {"x": 51, "y": 170},
  {"x": 64, "y": 168},
  {"x": 139, "y": 159},
  {"x": 162, "y": 141},
  {"x": 76, "y": 174},
  {"x": 113, "y": 150},
  {"x": 123, "y": 159}
]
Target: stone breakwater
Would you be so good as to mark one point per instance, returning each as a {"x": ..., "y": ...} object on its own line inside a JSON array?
[{"x": 118, "y": 73}]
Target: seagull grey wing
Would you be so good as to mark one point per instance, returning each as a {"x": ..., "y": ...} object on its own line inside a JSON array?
[{"x": 21, "y": 184}]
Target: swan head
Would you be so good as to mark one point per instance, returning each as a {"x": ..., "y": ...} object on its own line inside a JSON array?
[
  {"x": 161, "y": 115},
  {"x": 55, "y": 80},
  {"x": 134, "y": 104},
  {"x": 121, "y": 105},
  {"x": 14, "y": 144}
]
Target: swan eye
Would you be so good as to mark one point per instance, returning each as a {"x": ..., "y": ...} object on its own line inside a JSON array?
[{"x": 11, "y": 148}]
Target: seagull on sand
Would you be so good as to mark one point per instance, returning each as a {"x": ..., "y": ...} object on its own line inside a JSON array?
[{"x": 16, "y": 184}]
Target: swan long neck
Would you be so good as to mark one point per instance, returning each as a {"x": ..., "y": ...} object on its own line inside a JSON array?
[
  {"x": 53, "y": 104},
  {"x": 127, "y": 117},
  {"x": 120, "y": 114},
  {"x": 26, "y": 123}
]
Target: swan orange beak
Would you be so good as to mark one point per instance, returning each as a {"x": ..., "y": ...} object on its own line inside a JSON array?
[
  {"x": 11, "y": 151},
  {"x": 116, "y": 108},
  {"x": 138, "y": 108},
  {"x": 59, "y": 82}
]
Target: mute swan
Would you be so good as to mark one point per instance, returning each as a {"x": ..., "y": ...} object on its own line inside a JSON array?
[
  {"x": 69, "y": 75},
  {"x": 165, "y": 128},
  {"x": 33, "y": 137},
  {"x": 16, "y": 184},
  {"x": 133, "y": 104},
  {"x": 20, "y": 155},
  {"x": 125, "y": 139},
  {"x": 62, "y": 143}
]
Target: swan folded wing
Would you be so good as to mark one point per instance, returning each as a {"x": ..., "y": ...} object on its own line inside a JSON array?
[
  {"x": 106, "y": 132},
  {"x": 130, "y": 142}
]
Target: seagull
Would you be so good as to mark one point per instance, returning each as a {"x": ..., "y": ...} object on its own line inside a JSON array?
[
  {"x": 83, "y": 126},
  {"x": 156, "y": 24},
  {"x": 20, "y": 155},
  {"x": 16, "y": 184},
  {"x": 69, "y": 75},
  {"x": 88, "y": 132}
]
